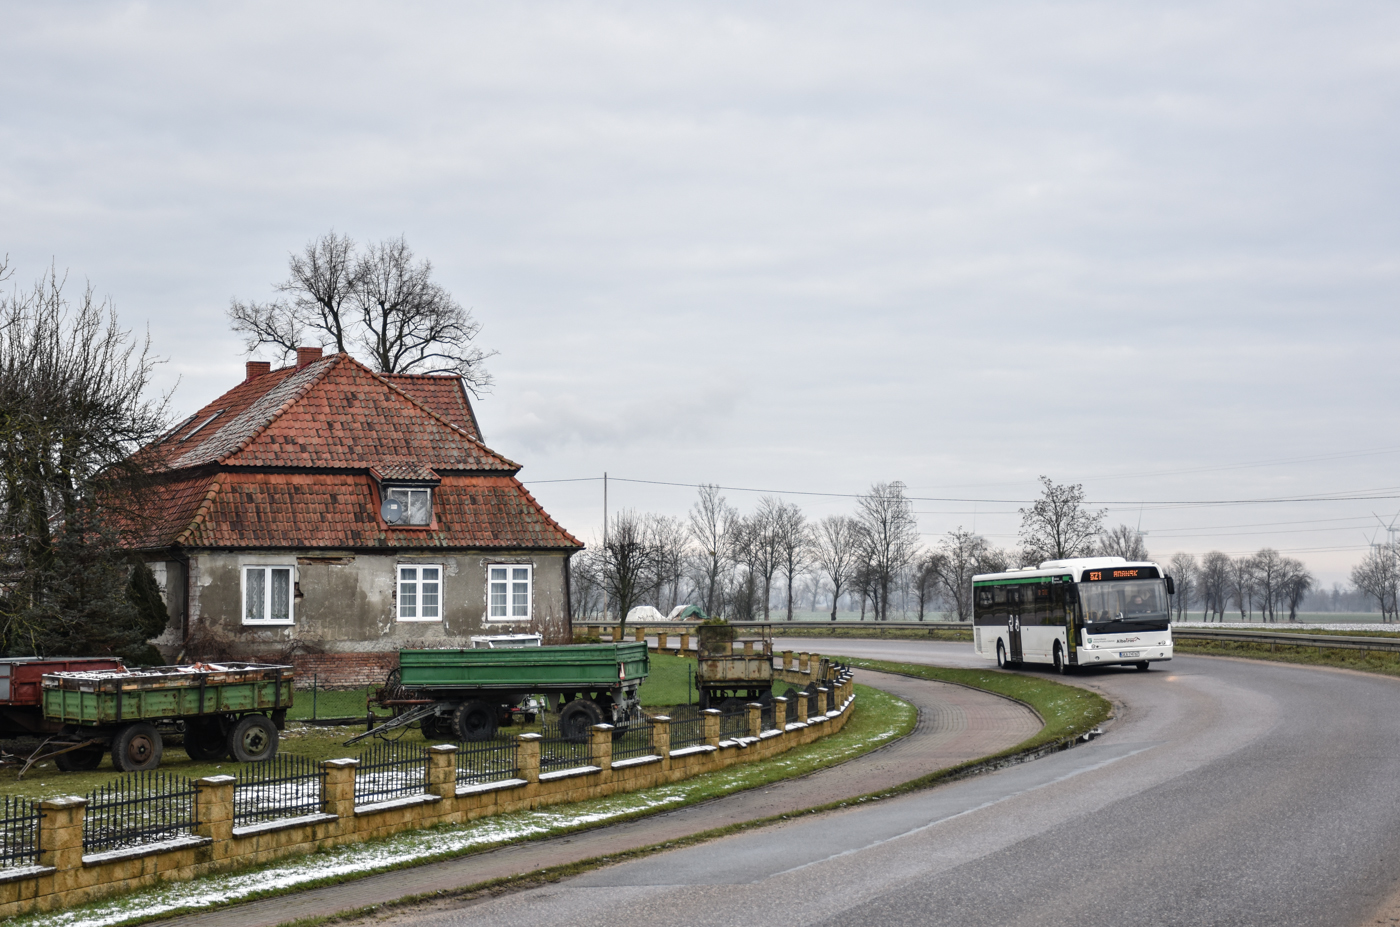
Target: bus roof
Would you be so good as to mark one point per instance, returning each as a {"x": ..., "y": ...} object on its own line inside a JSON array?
[{"x": 1074, "y": 567}]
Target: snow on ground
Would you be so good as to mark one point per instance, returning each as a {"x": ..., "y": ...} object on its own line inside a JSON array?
[{"x": 418, "y": 846}]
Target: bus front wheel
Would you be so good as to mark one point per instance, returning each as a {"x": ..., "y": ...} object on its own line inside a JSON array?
[{"x": 1144, "y": 666}]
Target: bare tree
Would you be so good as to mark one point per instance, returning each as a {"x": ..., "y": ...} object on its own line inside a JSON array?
[
  {"x": 1183, "y": 572},
  {"x": 1124, "y": 541},
  {"x": 794, "y": 538},
  {"x": 927, "y": 577},
  {"x": 1269, "y": 570},
  {"x": 964, "y": 555},
  {"x": 1294, "y": 585},
  {"x": 1058, "y": 526},
  {"x": 382, "y": 305},
  {"x": 1378, "y": 576},
  {"x": 668, "y": 536},
  {"x": 891, "y": 538},
  {"x": 1213, "y": 582},
  {"x": 713, "y": 525},
  {"x": 74, "y": 409},
  {"x": 630, "y": 562},
  {"x": 1242, "y": 583},
  {"x": 837, "y": 551},
  {"x": 764, "y": 545}
]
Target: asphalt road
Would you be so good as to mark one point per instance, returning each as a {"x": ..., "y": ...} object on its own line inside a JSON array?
[{"x": 1226, "y": 792}]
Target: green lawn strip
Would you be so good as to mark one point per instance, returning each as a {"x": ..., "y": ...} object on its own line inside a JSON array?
[
  {"x": 1383, "y": 662},
  {"x": 1391, "y": 630},
  {"x": 878, "y": 719},
  {"x": 1068, "y": 710}
]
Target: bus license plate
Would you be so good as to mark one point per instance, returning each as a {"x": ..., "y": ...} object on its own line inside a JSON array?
[{"x": 1129, "y": 653}]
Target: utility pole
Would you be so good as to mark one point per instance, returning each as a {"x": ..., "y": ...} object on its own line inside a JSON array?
[{"x": 606, "y": 597}]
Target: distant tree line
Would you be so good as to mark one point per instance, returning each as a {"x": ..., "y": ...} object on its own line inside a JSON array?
[{"x": 874, "y": 563}]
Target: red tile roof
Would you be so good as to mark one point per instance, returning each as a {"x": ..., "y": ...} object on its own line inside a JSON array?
[
  {"x": 229, "y": 475},
  {"x": 444, "y": 395},
  {"x": 340, "y": 510},
  {"x": 332, "y": 413}
]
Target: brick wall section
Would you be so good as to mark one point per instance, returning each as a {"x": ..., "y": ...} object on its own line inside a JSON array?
[
  {"x": 65, "y": 878},
  {"x": 344, "y": 670}
]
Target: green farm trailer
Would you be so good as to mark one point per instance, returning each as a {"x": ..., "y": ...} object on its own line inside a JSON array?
[
  {"x": 466, "y": 694},
  {"x": 223, "y": 709}
]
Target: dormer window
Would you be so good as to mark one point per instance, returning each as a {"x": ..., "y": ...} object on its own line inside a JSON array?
[{"x": 408, "y": 505}]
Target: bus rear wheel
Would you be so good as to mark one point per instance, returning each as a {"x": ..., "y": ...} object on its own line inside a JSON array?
[
  {"x": 1143, "y": 667},
  {"x": 1060, "y": 666},
  {"x": 1001, "y": 655}
]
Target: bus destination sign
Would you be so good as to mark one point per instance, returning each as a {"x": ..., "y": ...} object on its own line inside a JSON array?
[{"x": 1109, "y": 574}]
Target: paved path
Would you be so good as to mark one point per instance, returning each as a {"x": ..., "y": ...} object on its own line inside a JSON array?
[
  {"x": 955, "y": 725},
  {"x": 1228, "y": 792}
]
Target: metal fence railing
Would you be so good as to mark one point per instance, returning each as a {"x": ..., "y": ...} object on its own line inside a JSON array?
[
  {"x": 285, "y": 786},
  {"x": 137, "y": 809},
  {"x": 634, "y": 741},
  {"x": 491, "y": 760},
  {"x": 687, "y": 727},
  {"x": 19, "y": 832},
  {"x": 558, "y": 752},
  {"x": 391, "y": 770},
  {"x": 734, "y": 723}
]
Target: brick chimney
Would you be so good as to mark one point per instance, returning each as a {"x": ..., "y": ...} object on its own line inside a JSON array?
[
  {"x": 307, "y": 356},
  {"x": 257, "y": 369}
]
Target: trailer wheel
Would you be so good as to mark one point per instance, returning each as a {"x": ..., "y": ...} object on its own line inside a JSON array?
[
  {"x": 137, "y": 748},
  {"x": 253, "y": 739},
  {"x": 474, "y": 720},
  {"x": 205, "y": 740},
  {"x": 82, "y": 759},
  {"x": 577, "y": 719}
]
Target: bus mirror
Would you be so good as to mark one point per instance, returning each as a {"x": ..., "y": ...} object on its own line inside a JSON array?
[{"x": 1171, "y": 587}]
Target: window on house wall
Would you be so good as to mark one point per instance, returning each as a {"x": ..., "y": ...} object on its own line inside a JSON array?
[
  {"x": 420, "y": 593},
  {"x": 509, "y": 591},
  {"x": 417, "y": 504},
  {"x": 267, "y": 594}
]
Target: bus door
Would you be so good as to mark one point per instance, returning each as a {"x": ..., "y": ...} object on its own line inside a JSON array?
[{"x": 1016, "y": 602}]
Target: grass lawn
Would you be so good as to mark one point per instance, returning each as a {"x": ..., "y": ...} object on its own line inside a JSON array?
[{"x": 1370, "y": 661}]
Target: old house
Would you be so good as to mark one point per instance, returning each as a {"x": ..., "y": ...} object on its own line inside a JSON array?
[{"x": 326, "y": 515}]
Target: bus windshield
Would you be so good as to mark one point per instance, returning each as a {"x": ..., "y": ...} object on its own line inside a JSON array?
[{"x": 1131, "y": 600}]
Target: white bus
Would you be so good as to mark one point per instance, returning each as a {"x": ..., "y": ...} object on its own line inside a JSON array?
[{"x": 1092, "y": 611}]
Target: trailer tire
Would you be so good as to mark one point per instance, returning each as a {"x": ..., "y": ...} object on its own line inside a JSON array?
[
  {"x": 253, "y": 739},
  {"x": 82, "y": 759},
  {"x": 137, "y": 748},
  {"x": 205, "y": 740},
  {"x": 577, "y": 718},
  {"x": 474, "y": 720}
]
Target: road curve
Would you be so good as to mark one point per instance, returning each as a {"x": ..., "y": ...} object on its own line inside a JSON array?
[
  {"x": 955, "y": 725},
  {"x": 1226, "y": 792}
]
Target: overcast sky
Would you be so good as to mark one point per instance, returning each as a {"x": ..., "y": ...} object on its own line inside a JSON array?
[{"x": 795, "y": 247}]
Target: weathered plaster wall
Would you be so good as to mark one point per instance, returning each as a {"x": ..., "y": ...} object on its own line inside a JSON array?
[{"x": 346, "y": 602}]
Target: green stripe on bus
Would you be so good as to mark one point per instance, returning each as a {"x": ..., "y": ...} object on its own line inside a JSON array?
[{"x": 1028, "y": 579}]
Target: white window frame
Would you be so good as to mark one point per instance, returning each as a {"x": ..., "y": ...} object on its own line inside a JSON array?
[
  {"x": 512, "y": 584},
  {"x": 417, "y": 581},
  {"x": 266, "y": 569},
  {"x": 391, "y": 488}
]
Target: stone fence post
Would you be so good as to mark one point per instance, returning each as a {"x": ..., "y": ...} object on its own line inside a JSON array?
[
  {"x": 711, "y": 722},
  {"x": 823, "y": 702},
  {"x": 802, "y": 705},
  {"x": 661, "y": 739},
  {"x": 755, "y": 718},
  {"x": 787, "y": 660},
  {"x": 685, "y": 643},
  {"x": 600, "y": 745},
  {"x": 527, "y": 758},
  {"x": 214, "y": 812},
  {"x": 338, "y": 790},
  {"x": 780, "y": 713},
  {"x": 61, "y": 838},
  {"x": 442, "y": 771},
  {"x": 801, "y": 662},
  {"x": 660, "y": 641}
]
